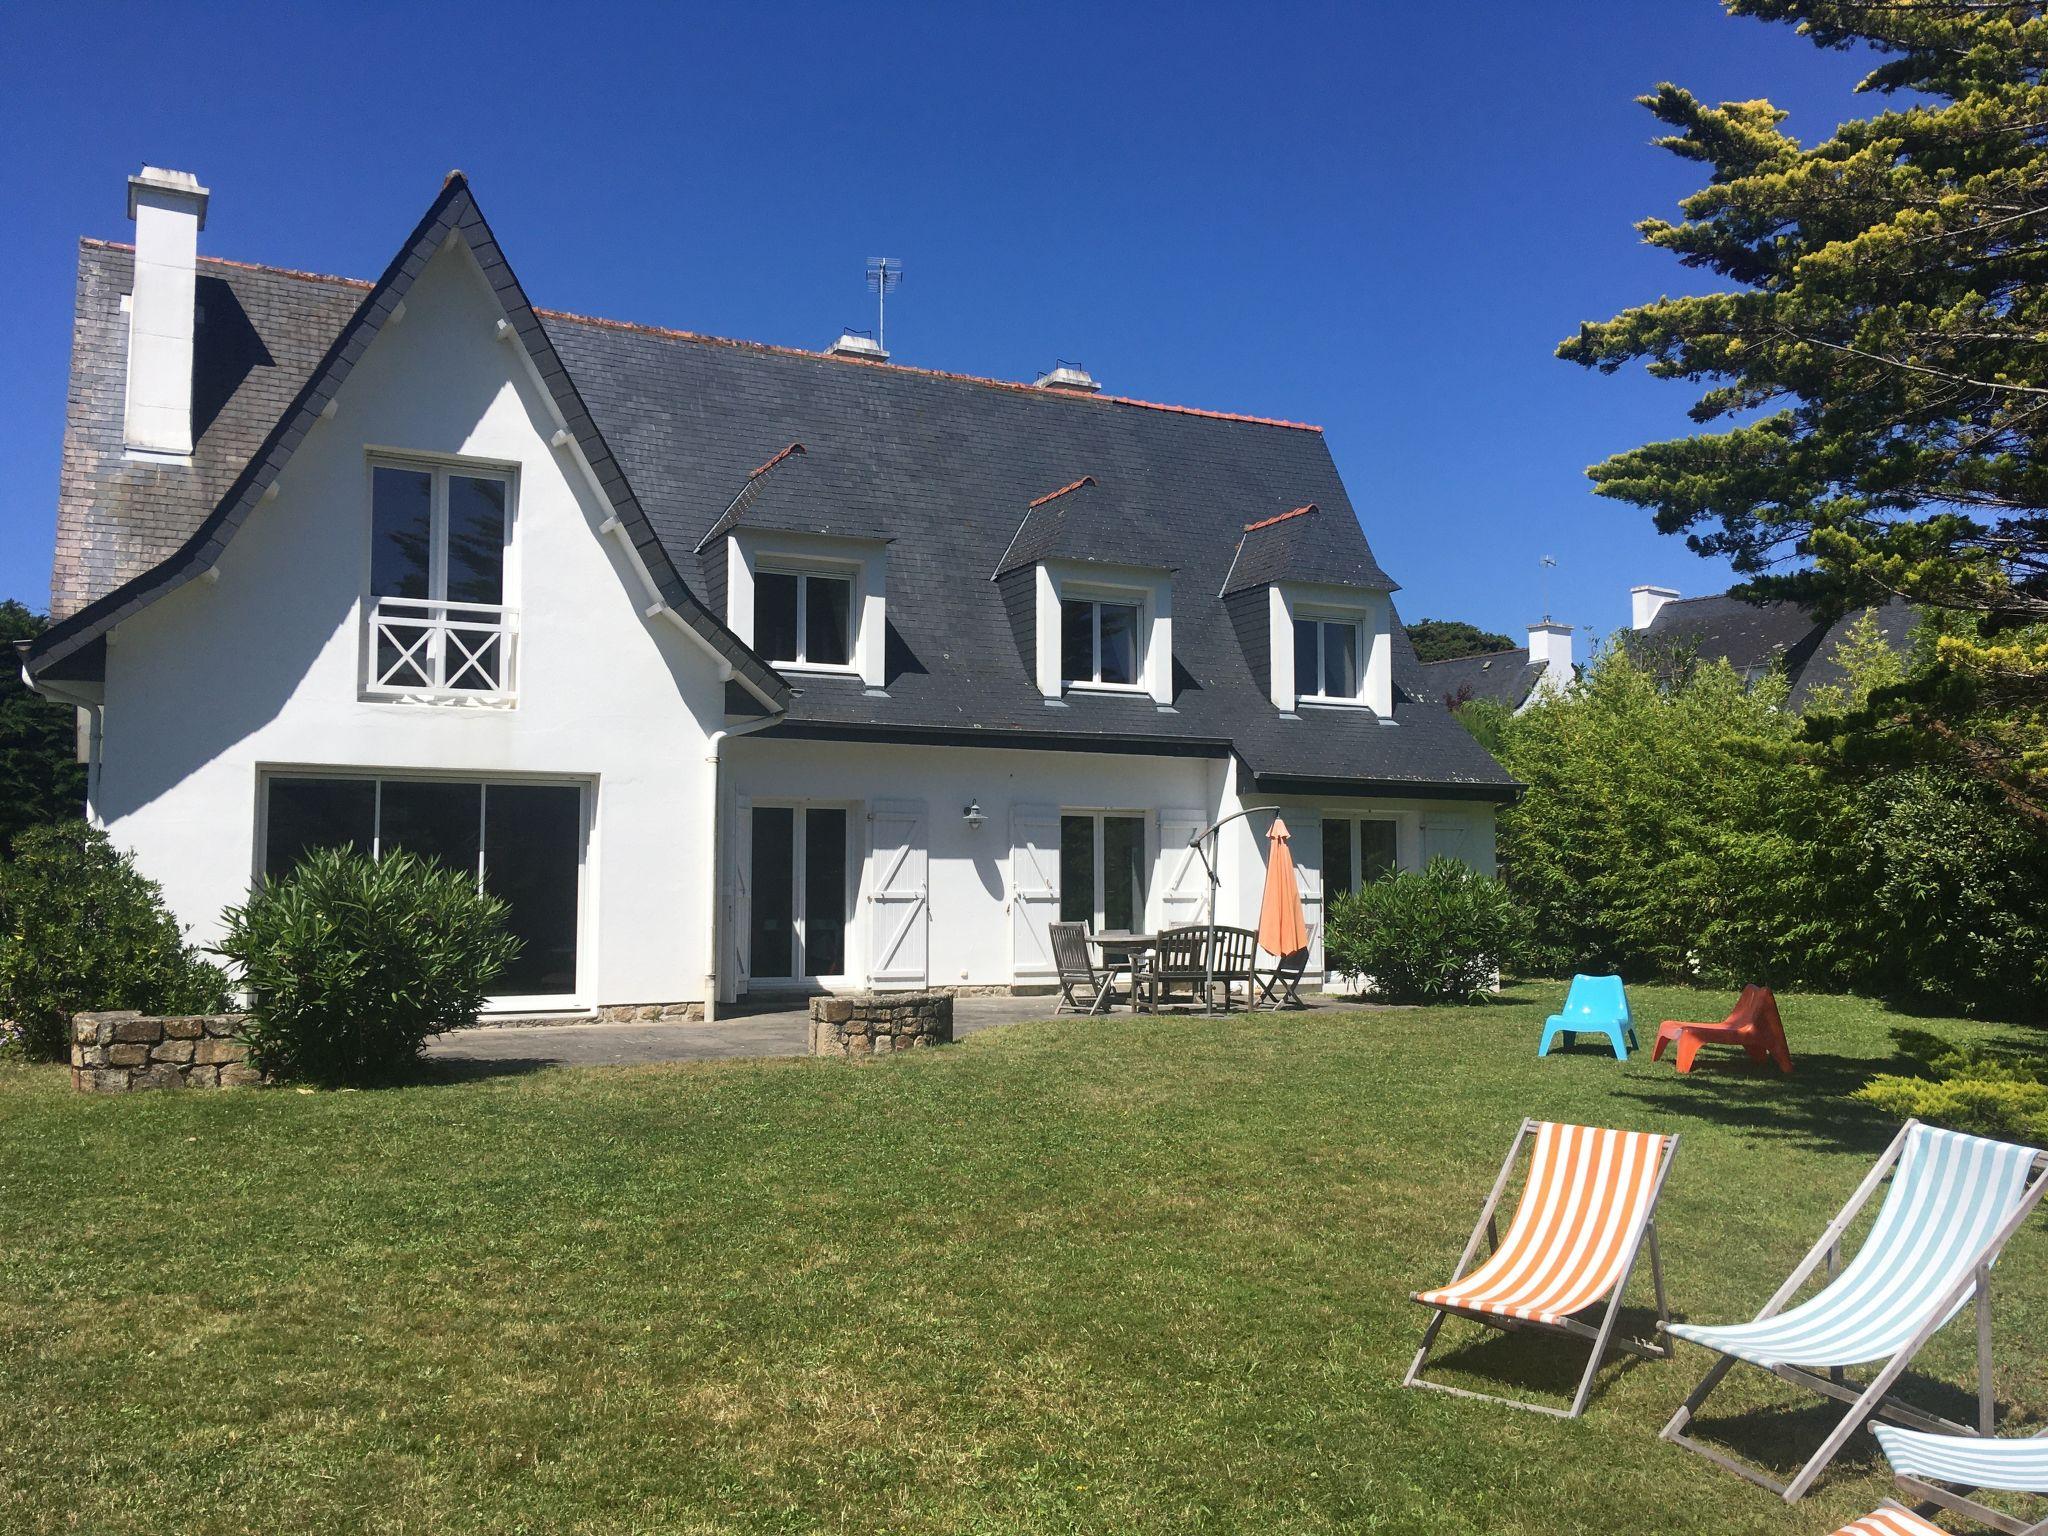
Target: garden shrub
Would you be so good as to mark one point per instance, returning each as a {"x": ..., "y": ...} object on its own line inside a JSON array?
[
  {"x": 1440, "y": 936},
  {"x": 1965, "y": 1088},
  {"x": 81, "y": 929},
  {"x": 353, "y": 963}
]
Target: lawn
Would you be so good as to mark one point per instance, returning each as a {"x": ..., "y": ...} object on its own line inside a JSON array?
[{"x": 1098, "y": 1275}]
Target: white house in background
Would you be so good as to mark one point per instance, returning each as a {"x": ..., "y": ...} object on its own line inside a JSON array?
[
  {"x": 1515, "y": 678},
  {"x": 732, "y": 668}
]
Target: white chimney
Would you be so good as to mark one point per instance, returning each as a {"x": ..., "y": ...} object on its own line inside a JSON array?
[
  {"x": 1550, "y": 647},
  {"x": 1644, "y": 603},
  {"x": 1071, "y": 377},
  {"x": 169, "y": 210},
  {"x": 857, "y": 344}
]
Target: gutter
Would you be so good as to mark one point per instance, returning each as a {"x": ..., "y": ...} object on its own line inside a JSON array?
[{"x": 714, "y": 754}]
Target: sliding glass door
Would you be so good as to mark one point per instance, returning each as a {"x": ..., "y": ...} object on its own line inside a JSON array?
[
  {"x": 800, "y": 897},
  {"x": 524, "y": 843}
]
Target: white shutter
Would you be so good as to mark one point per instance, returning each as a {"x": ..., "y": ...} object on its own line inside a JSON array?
[
  {"x": 739, "y": 936},
  {"x": 1445, "y": 839},
  {"x": 899, "y": 905},
  {"x": 1305, "y": 842},
  {"x": 1034, "y": 890},
  {"x": 1183, "y": 881}
]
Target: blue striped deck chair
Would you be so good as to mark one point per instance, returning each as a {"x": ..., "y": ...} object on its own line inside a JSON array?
[
  {"x": 1941, "y": 1472},
  {"x": 1954, "y": 1203}
]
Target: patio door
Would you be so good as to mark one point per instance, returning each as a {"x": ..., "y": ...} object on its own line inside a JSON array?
[{"x": 797, "y": 893}]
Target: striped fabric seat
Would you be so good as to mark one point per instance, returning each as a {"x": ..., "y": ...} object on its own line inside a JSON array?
[
  {"x": 1588, "y": 1194},
  {"x": 1949, "y": 1196},
  {"x": 2015, "y": 1466},
  {"x": 1891, "y": 1522}
]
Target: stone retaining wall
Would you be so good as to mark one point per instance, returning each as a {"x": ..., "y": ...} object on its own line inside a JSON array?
[
  {"x": 876, "y": 1023},
  {"x": 650, "y": 1013},
  {"x": 123, "y": 1052}
]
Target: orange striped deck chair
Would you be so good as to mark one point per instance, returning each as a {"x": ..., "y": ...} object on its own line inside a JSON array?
[
  {"x": 1891, "y": 1519},
  {"x": 1588, "y": 1205}
]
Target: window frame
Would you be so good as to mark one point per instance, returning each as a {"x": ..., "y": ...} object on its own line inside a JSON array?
[
  {"x": 1324, "y": 619},
  {"x": 803, "y": 571},
  {"x": 440, "y": 471},
  {"x": 1353, "y": 824},
  {"x": 1097, "y": 598},
  {"x": 579, "y": 998}
]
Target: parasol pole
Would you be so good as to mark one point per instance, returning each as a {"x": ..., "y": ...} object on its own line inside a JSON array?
[{"x": 1199, "y": 842}]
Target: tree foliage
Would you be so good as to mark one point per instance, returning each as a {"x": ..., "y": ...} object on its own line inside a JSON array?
[
  {"x": 1681, "y": 827},
  {"x": 1443, "y": 639},
  {"x": 1877, "y": 367},
  {"x": 1442, "y": 934},
  {"x": 80, "y": 930},
  {"x": 41, "y": 779}
]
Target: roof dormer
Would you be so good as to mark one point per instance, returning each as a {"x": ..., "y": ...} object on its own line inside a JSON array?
[{"x": 1314, "y": 613}]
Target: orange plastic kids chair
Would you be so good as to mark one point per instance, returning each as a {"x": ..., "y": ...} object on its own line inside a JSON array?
[{"x": 1753, "y": 1025}]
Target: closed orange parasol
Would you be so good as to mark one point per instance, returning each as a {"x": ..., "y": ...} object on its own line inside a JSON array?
[{"x": 1282, "y": 928}]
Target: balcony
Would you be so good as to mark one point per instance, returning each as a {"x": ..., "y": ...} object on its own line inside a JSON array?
[{"x": 442, "y": 652}]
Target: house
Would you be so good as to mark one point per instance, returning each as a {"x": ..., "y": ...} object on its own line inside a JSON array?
[
  {"x": 1513, "y": 679},
  {"x": 1755, "y": 639},
  {"x": 732, "y": 668}
]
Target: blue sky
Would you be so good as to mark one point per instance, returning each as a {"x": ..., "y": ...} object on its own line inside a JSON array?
[{"x": 1356, "y": 216}]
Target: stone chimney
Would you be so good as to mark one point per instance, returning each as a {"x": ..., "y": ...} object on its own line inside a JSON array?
[
  {"x": 169, "y": 210},
  {"x": 1644, "y": 603},
  {"x": 1550, "y": 647}
]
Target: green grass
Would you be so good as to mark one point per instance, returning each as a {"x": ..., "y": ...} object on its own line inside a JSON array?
[{"x": 1104, "y": 1276}]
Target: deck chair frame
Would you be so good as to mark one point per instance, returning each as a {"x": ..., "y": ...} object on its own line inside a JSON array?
[
  {"x": 1603, "y": 1337},
  {"x": 1873, "y": 1399}
]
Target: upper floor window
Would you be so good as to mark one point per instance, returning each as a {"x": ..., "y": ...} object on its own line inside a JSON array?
[
  {"x": 438, "y": 543},
  {"x": 1326, "y": 655},
  {"x": 804, "y": 618},
  {"x": 1101, "y": 642}
]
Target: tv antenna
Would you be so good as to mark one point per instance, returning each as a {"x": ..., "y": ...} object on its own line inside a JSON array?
[
  {"x": 1544, "y": 567},
  {"x": 884, "y": 273}
]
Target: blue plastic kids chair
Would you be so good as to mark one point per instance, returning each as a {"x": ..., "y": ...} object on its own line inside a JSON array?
[{"x": 1595, "y": 1005}]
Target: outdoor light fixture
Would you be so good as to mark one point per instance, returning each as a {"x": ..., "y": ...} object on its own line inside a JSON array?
[{"x": 972, "y": 816}]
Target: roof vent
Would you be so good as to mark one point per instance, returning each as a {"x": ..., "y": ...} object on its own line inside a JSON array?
[
  {"x": 1068, "y": 376},
  {"x": 862, "y": 344}
]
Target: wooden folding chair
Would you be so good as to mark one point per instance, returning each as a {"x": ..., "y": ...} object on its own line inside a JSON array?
[
  {"x": 1954, "y": 1203},
  {"x": 1588, "y": 1206}
]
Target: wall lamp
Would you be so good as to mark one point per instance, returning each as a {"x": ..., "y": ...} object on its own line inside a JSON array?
[{"x": 972, "y": 816}]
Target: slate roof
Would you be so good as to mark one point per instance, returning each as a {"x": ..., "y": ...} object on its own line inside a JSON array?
[
  {"x": 1506, "y": 677},
  {"x": 941, "y": 465},
  {"x": 1756, "y": 638},
  {"x": 1083, "y": 521},
  {"x": 1301, "y": 544}
]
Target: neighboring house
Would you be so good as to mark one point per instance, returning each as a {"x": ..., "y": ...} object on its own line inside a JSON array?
[
  {"x": 1514, "y": 679},
  {"x": 731, "y": 667},
  {"x": 1755, "y": 639}
]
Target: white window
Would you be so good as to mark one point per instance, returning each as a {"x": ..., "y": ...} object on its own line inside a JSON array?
[
  {"x": 1327, "y": 654},
  {"x": 440, "y": 537},
  {"x": 1102, "y": 642},
  {"x": 804, "y": 618},
  {"x": 1358, "y": 850}
]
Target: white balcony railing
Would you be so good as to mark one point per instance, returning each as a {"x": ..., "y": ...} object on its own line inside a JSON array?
[{"x": 426, "y": 648}]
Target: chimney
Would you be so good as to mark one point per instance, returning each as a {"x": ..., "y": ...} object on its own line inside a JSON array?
[
  {"x": 1550, "y": 647},
  {"x": 1071, "y": 377},
  {"x": 169, "y": 210},
  {"x": 1644, "y": 603},
  {"x": 857, "y": 344}
]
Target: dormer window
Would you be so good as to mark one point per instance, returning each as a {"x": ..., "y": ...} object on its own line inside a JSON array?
[
  {"x": 803, "y": 618},
  {"x": 1101, "y": 642},
  {"x": 1326, "y": 652}
]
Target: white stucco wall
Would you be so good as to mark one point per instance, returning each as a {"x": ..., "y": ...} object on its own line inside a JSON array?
[
  {"x": 972, "y": 872},
  {"x": 261, "y": 667}
]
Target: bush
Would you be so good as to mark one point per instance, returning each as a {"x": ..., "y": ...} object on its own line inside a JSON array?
[
  {"x": 353, "y": 963},
  {"x": 81, "y": 929},
  {"x": 1987, "y": 1093},
  {"x": 1441, "y": 936}
]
